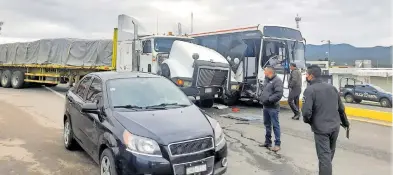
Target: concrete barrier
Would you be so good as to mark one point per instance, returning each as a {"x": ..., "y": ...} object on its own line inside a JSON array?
[{"x": 361, "y": 113}]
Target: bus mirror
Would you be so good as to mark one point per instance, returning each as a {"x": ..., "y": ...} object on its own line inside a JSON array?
[{"x": 195, "y": 56}]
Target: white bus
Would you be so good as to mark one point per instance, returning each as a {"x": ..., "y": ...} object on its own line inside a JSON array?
[{"x": 248, "y": 50}]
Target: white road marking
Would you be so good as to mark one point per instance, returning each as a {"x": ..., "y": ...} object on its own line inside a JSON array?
[{"x": 58, "y": 94}]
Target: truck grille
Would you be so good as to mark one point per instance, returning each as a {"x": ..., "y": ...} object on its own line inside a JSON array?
[
  {"x": 191, "y": 146},
  {"x": 211, "y": 77}
]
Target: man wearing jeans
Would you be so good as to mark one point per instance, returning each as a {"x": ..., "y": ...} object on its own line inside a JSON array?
[{"x": 270, "y": 98}]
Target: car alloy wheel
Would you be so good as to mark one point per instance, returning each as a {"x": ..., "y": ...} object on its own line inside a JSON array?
[
  {"x": 67, "y": 133},
  {"x": 105, "y": 166}
]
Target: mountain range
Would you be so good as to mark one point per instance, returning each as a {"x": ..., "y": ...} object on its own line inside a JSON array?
[{"x": 347, "y": 54}]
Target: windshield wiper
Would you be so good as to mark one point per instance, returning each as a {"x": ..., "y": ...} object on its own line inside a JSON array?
[
  {"x": 128, "y": 107},
  {"x": 164, "y": 105}
]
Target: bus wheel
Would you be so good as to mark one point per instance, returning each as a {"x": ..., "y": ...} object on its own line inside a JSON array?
[
  {"x": 6, "y": 79},
  {"x": 17, "y": 80}
]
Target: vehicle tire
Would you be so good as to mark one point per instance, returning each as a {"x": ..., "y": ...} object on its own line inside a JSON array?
[
  {"x": 349, "y": 98},
  {"x": 1, "y": 71},
  {"x": 385, "y": 103},
  {"x": 6, "y": 79},
  {"x": 165, "y": 71},
  {"x": 17, "y": 79},
  {"x": 230, "y": 100},
  {"x": 357, "y": 101},
  {"x": 207, "y": 103},
  {"x": 107, "y": 163},
  {"x": 68, "y": 136}
]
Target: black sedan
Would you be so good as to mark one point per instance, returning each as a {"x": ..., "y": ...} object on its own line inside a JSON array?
[{"x": 142, "y": 124}]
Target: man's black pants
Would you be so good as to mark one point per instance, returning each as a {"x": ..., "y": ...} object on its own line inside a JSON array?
[
  {"x": 326, "y": 146},
  {"x": 293, "y": 102}
]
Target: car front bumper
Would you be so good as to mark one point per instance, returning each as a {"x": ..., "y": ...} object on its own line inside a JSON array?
[{"x": 130, "y": 163}]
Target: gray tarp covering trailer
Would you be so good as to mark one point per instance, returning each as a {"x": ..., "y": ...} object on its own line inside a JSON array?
[{"x": 70, "y": 52}]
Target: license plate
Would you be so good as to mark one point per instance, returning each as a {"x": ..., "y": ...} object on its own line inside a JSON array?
[
  {"x": 196, "y": 169},
  {"x": 208, "y": 90}
]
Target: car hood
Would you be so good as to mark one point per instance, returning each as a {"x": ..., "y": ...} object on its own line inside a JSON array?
[{"x": 167, "y": 126}]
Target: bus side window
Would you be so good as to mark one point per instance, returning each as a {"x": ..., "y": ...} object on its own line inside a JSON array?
[{"x": 146, "y": 46}]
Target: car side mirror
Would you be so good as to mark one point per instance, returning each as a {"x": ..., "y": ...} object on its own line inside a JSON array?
[
  {"x": 90, "y": 108},
  {"x": 192, "y": 99}
]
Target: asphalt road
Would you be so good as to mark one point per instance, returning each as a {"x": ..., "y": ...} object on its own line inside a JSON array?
[{"x": 31, "y": 141}]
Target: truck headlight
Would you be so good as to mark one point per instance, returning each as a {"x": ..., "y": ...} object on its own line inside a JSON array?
[
  {"x": 141, "y": 145},
  {"x": 234, "y": 87},
  {"x": 183, "y": 83},
  {"x": 218, "y": 134}
]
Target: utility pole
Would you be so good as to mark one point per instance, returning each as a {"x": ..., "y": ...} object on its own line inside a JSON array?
[
  {"x": 1, "y": 24},
  {"x": 297, "y": 20},
  {"x": 192, "y": 22},
  {"x": 157, "y": 25},
  {"x": 328, "y": 54},
  {"x": 179, "y": 28}
]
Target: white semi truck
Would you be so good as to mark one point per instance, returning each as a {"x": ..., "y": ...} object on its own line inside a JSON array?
[{"x": 199, "y": 71}]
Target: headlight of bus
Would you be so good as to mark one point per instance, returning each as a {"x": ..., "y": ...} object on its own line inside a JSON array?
[{"x": 141, "y": 145}]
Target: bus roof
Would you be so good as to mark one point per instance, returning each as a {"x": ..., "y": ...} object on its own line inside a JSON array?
[
  {"x": 165, "y": 36},
  {"x": 267, "y": 30}
]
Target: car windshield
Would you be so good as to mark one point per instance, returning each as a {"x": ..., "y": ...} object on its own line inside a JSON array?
[
  {"x": 143, "y": 92},
  {"x": 165, "y": 44}
]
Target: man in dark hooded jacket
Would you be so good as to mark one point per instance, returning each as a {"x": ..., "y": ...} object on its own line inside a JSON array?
[
  {"x": 271, "y": 95},
  {"x": 325, "y": 112}
]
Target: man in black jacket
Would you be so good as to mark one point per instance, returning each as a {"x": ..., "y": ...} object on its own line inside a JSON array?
[
  {"x": 295, "y": 88},
  {"x": 324, "y": 111},
  {"x": 271, "y": 95}
]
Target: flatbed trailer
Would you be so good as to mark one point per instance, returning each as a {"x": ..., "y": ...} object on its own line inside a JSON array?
[{"x": 22, "y": 75}]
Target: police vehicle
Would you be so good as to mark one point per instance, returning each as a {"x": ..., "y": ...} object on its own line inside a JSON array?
[{"x": 368, "y": 92}]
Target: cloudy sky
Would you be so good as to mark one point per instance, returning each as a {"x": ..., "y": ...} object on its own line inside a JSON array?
[{"x": 357, "y": 22}]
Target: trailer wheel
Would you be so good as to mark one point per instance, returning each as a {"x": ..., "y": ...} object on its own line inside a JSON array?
[
  {"x": 6, "y": 79},
  {"x": 207, "y": 103},
  {"x": 17, "y": 80}
]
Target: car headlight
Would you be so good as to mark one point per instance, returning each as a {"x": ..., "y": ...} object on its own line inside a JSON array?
[
  {"x": 218, "y": 134},
  {"x": 141, "y": 145}
]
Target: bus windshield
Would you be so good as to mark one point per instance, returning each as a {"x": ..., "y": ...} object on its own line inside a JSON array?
[
  {"x": 164, "y": 44},
  {"x": 278, "y": 53},
  {"x": 296, "y": 54}
]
